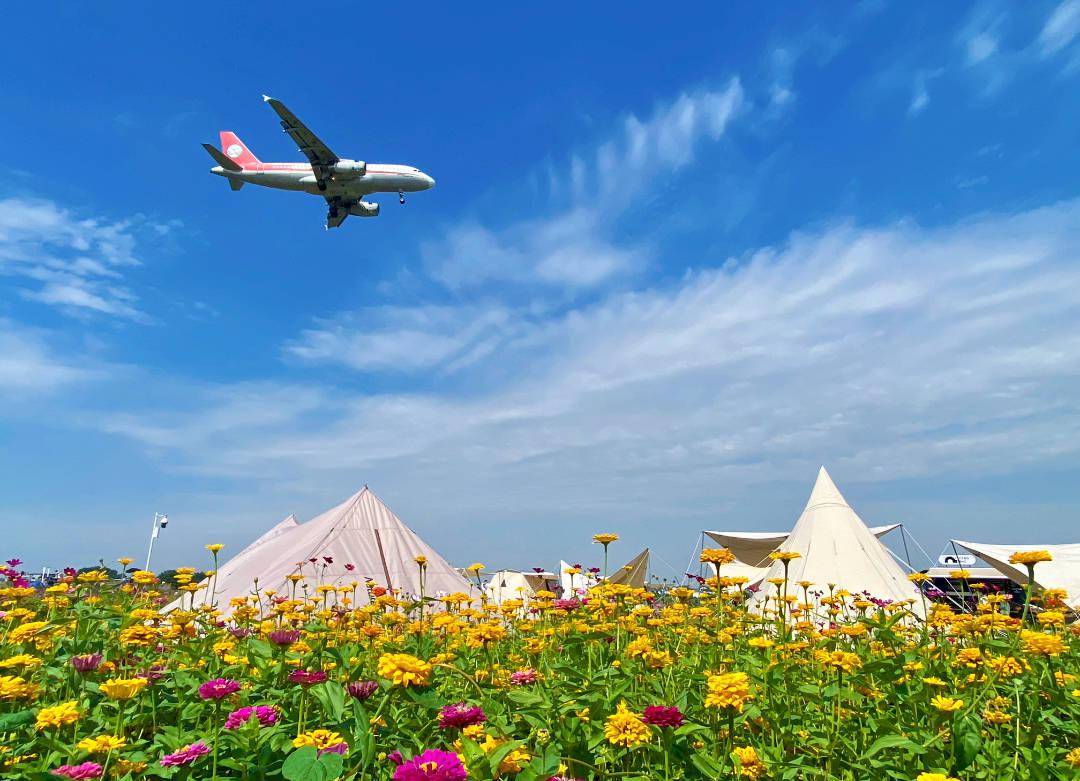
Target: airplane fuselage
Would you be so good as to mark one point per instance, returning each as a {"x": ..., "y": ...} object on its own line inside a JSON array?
[{"x": 378, "y": 178}]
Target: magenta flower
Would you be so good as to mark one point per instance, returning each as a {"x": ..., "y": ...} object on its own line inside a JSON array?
[
  {"x": 284, "y": 637},
  {"x": 266, "y": 715},
  {"x": 86, "y": 663},
  {"x": 307, "y": 677},
  {"x": 85, "y": 770},
  {"x": 662, "y": 716},
  {"x": 350, "y": 567},
  {"x": 218, "y": 689},
  {"x": 186, "y": 756},
  {"x": 362, "y": 690},
  {"x": 524, "y": 677},
  {"x": 566, "y": 605},
  {"x": 14, "y": 562},
  {"x": 432, "y": 765},
  {"x": 459, "y": 716},
  {"x": 395, "y": 757},
  {"x": 337, "y": 748}
]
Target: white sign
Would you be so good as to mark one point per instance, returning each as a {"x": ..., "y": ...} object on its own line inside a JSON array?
[{"x": 957, "y": 560}]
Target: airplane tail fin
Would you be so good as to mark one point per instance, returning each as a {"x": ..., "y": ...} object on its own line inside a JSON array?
[{"x": 235, "y": 149}]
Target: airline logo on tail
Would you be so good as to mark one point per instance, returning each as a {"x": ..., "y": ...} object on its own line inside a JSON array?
[{"x": 236, "y": 150}]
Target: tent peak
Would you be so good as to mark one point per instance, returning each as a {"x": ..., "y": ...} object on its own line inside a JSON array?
[{"x": 825, "y": 491}]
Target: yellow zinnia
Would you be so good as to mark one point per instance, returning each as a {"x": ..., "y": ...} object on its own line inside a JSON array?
[
  {"x": 58, "y": 715},
  {"x": 946, "y": 704},
  {"x": 625, "y": 728},
  {"x": 404, "y": 670},
  {"x": 123, "y": 688},
  {"x": 728, "y": 690},
  {"x": 102, "y": 744}
]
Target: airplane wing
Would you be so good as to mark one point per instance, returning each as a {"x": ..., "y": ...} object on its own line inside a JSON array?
[{"x": 318, "y": 154}]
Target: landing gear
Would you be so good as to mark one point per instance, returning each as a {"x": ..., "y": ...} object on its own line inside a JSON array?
[
  {"x": 321, "y": 185},
  {"x": 401, "y": 197}
]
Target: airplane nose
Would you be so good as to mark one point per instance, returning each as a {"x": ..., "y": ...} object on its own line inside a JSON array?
[{"x": 429, "y": 181}]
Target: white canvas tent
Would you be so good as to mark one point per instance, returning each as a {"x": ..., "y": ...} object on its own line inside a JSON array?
[
  {"x": 581, "y": 582},
  {"x": 361, "y": 532},
  {"x": 511, "y": 584},
  {"x": 752, "y": 549},
  {"x": 634, "y": 572},
  {"x": 1061, "y": 572},
  {"x": 837, "y": 547}
]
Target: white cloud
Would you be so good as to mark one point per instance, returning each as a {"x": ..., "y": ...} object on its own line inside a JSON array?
[
  {"x": 574, "y": 246},
  {"x": 920, "y": 97},
  {"x": 73, "y": 263},
  {"x": 897, "y": 352},
  {"x": 399, "y": 339},
  {"x": 1061, "y": 28},
  {"x": 28, "y": 364},
  {"x": 980, "y": 46}
]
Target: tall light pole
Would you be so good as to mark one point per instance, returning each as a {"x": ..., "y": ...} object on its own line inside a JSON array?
[{"x": 160, "y": 522}]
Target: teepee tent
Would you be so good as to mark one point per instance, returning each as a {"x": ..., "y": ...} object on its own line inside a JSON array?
[
  {"x": 752, "y": 549},
  {"x": 634, "y": 572},
  {"x": 359, "y": 539},
  {"x": 1062, "y": 571},
  {"x": 837, "y": 547}
]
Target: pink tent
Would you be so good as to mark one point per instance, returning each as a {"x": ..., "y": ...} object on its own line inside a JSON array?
[{"x": 361, "y": 532}]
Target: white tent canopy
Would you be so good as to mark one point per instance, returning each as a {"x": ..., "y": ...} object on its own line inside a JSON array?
[
  {"x": 752, "y": 549},
  {"x": 361, "y": 532},
  {"x": 1063, "y": 571},
  {"x": 837, "y": 547}
]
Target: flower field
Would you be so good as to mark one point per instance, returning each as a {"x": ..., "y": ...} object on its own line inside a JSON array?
[{"x": 349, "y": 681}]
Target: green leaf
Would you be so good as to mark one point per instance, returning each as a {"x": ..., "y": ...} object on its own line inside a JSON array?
[
  {"x": 968, "y": 743},
  {"x": 889, "y": 741},
  {"x": 333, "y": 764},
  {"x": 304, "y": 765},
  {"x": 706, "y": 764},
  {"x": 332, "y": 698},
  {"x": 10, "y": 721}
]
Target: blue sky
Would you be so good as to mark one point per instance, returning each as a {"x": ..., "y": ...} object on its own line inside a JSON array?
[{"x": 673, "y": 263}]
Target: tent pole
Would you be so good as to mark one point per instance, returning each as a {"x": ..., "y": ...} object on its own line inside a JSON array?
[{"x": 903, "y": 536}]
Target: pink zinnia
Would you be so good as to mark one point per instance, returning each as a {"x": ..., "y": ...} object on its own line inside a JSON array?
[
  {"x": 86, "y": 663},
  {"x": 85, "y": 770},
  {"x": 524, "y": 677},
  {"x": 266, "y": 715},
  {"x": 662, "y": 716},
  {"x": 432, "y": 765},
  {"x": 362, "y": 690},
  {"x": 218, "y": 689},
  {"x": 306, "y": 677},
  {"x": 459, "y": 715},
  {"x": 284, "y": 637},
  {"x": 185, "y": 756},
  {"x": 566, "y": 605}
]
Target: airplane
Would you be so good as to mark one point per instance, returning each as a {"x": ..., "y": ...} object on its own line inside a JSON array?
[{"x": 342, "y": 182}]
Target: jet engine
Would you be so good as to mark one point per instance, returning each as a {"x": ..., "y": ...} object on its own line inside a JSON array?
[
  {"x": 364, "y": 209},
  {"x": 348, "y": 169}
]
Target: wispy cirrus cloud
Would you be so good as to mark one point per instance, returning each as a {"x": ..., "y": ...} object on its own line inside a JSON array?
[
  {"x": 76, "y": 264},
  {"x": 1060, "y": 33},
  {"x": 895, "y": 350},
  {"x": 29, "y": 364},
  {"x": 575, "y": 246}
]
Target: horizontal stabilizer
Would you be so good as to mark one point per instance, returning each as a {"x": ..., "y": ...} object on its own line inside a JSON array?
[{"x": 222, "y": 160}]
